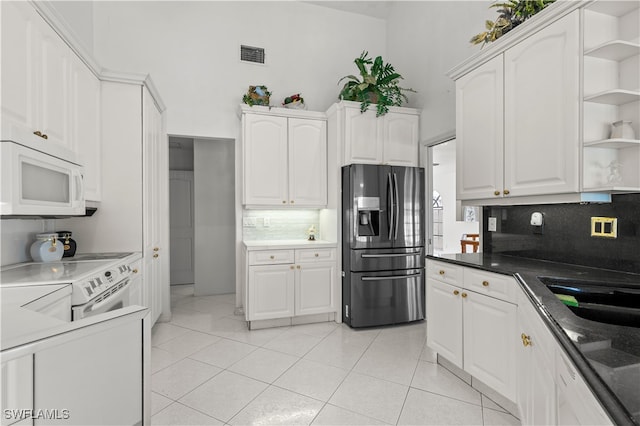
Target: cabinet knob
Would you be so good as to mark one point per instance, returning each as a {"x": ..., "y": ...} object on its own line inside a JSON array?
[
  {"x": 272, "y": 257},
  {"x": 505, "y": 192},
  {"x": 38, "y": 133},
  {"x": 135, "y": 271},
  {"x": 298, "y": 266},
  {"x": 496, "y": 193},
  {"x": 292, "y": 267},
  {"x": 485, "y": 283},
  {"x": 441, "y": 272},
  {"x": 44, "y": 136},
  {"x": 284, "y": 201},
  {"x": 156, "y": 249},
  {"x": 464, "y": 294},
  {"x": 526, "y": 340},
  {"x": 156, "y": 255},
  {"x": 317, "y": 255},
  {"x": 456, "y": 292},
  {"x": 292, "y": 201}
]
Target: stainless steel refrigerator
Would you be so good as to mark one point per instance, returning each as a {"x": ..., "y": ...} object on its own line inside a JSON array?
[{"x": 383, "y": 250}]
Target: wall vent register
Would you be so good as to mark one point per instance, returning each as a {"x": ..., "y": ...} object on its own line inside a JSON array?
[{"x": 252, "y": 54}]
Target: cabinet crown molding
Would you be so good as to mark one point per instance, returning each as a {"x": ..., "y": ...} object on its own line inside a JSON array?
[
  {"x": 352, "y": 104},
  {"x": 550, "y": 14},
  {"x": 282, "y": 112}
]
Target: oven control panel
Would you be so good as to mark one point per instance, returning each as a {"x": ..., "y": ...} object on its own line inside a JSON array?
[{"x": 102, "y": 281}]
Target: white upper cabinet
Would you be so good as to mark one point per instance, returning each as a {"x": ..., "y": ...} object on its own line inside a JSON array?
[
  {"x": 85, "y": 90},
  {"x": 285, "y": 160},
  {"x": 541, "y": 111},
  {"x": 266, "y": 181},
  {"x": 36, "y": 99},
  {"x": 544, "y": 99},
  {"x": 307, "y": 162},
  {"x": 479, "y": 131},
  {"x": 367, "y": 139}
]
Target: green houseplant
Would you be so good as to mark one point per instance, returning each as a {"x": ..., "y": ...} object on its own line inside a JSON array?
[
  {"x": 511, "y": 14},
  {"x": 377, "y": 85}
]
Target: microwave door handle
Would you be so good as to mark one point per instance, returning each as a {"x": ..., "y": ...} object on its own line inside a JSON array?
[{"x": 79, "y": 187}]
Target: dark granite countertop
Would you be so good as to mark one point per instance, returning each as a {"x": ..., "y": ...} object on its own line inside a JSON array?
[{"x": 580, "y": 338}]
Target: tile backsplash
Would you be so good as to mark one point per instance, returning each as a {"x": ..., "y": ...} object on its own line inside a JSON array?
[
  {"x": 281, "y": 224},
  {"x": 566, "y": 234}
]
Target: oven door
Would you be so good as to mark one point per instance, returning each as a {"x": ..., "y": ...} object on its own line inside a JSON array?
[{"x": 117, "y": 297}]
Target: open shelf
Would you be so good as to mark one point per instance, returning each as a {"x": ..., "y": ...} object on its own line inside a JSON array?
[
  {"x": 613, "y": 143},
  {"x": 616, "y": 50},
  {"x": 614, "y": 8},
  {"x": 614, "y": 97}
]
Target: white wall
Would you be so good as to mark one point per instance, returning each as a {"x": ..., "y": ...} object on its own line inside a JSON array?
[
  {"x": 17, "y": 236},
  {"x": 425, "y": 39},
  {"x": 191, "y": 50},
  {"x": 79, "y": 16},
  {"x": 215, "y": 221}
]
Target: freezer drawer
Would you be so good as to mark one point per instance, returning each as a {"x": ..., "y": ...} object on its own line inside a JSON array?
[
  {"x": 386, "y": 259},
  {"x": 382, "y": 298}
]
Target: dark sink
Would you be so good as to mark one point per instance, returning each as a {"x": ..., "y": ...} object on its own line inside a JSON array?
[{"x": 605, "y": 302}]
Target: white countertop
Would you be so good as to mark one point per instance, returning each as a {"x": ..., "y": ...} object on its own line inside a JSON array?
[{"x": 286, "y": 244}]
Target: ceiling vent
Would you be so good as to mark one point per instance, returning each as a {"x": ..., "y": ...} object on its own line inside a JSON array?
[{"x": 252, "y": 54}]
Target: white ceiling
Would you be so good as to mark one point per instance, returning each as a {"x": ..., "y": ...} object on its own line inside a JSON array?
[{"x": 375, "y": 9}]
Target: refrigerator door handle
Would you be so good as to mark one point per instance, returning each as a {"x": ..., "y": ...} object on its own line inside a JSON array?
[
  {"x": 396, "y": 200},
  {"x": 390, "y": 201},
  {"x": 390, "y": 277},
  {"x": 367, "y": 256}
]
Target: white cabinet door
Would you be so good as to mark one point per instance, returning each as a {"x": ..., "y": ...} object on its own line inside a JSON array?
[
  {"x": 53, "y": 86},
  {"x": 266, "y": 174},
  {"x": 307, "y": 162},
  {"x": 535, "y": 363},
  {"x": 314, "y": 288},
  {"x": 362, "y": 137},
  {"x": 270, "y": 292},
  {"x": 155, "y": 211},
  {"x": 18, "y": 83},
  {"x": 400, "y": 136},
  {"x": 17, "y": 390},
  {"x": 490, "y": 341},
  {"x": 541, "y": 111},
  {"x": 444, "y": 320},
  {"x": 85, "y": 116},
  {"x": 479, "y": 132}
]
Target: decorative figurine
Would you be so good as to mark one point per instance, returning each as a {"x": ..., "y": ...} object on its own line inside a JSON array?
[{"x": 312, "y": 233}]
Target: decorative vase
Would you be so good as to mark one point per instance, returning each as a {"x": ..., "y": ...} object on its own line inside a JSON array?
[{"x": 622, "y": 130}]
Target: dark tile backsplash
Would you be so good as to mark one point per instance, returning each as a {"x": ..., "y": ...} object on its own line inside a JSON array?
[{"x": 566, "y": 234}]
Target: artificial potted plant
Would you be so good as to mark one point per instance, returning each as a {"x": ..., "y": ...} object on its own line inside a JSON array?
[{"x": 378, "y": 85}]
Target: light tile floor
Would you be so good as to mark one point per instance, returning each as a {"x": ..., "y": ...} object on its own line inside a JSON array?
[{"x": 208, "y": 369}]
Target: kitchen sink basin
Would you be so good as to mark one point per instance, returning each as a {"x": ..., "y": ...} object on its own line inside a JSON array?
[{"x": 610, "y": 303}]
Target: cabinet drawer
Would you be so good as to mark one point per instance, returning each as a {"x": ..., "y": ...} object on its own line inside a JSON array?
[
  {"x": 271, "y": 257},
  {"x": 495, "y": 285},
  {"x": 316, "y": 255},
  {"x": 445, "y": 272}
]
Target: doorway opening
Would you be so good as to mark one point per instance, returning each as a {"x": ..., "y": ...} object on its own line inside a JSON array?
[
  {"x": 451, "y": 227},
  {"x": 202, "y": 214}
]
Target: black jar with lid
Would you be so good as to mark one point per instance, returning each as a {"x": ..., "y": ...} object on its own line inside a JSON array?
[{"x": 69, "y": 243}]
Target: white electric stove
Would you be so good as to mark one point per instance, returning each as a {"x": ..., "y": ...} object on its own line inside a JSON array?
[{"x": 100, "y": 281}]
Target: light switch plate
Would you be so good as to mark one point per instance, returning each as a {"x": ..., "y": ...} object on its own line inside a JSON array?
[
  {"x": 249, "y": 222},
  {"x": 493, "y": 224},
  {"x": 606, "y": 227},
  {"x": 266, "y": 222}
]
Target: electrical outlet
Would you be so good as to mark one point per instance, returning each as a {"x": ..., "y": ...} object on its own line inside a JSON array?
[
  {"x": 249, "y": 222},
  {"x": 606, "y": 227},
  {"x": 493, "y": 224},
  {"x": 266, "y": 222}
]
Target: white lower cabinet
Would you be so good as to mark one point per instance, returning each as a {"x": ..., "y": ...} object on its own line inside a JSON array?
[
  {"x": 288, "y": 283},
  {"x": 473, "y": 331},
  {"x": 136, "y": 284},
  {"x": 536, "y": 381},
  {"x": 17, "y": 390}
]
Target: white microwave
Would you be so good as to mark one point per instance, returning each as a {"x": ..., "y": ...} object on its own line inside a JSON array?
[{"x": 37, "y": 184}]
